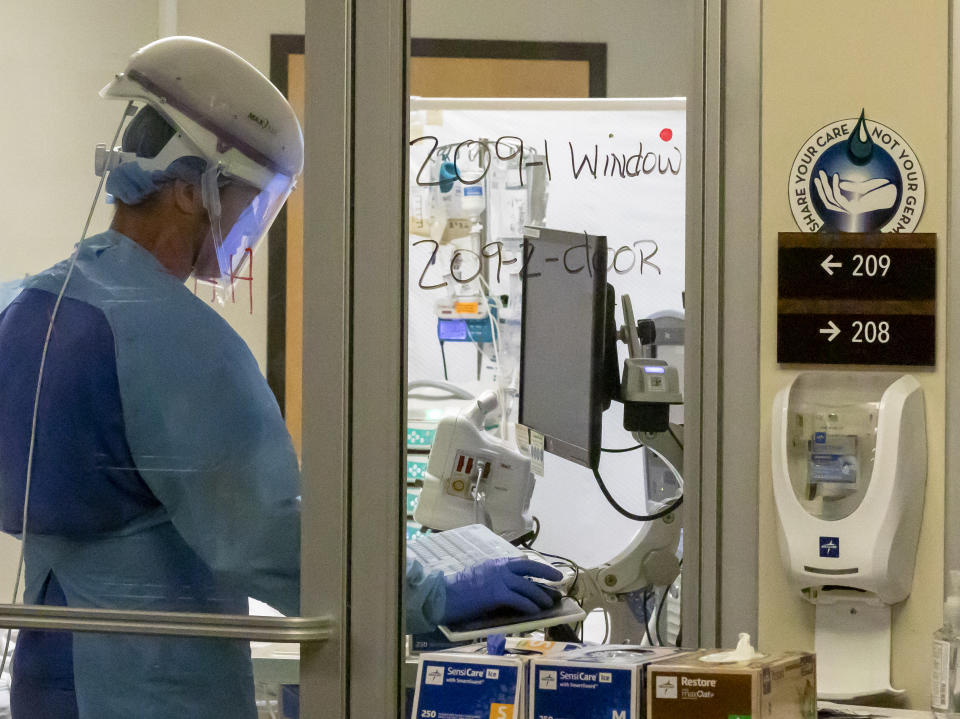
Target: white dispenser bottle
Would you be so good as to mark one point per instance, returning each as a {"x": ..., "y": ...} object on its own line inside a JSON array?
[{"x": 944, "y": 691}]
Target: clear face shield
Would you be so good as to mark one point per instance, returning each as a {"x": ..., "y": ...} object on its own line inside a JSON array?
[{"x": 240, "y": 215}]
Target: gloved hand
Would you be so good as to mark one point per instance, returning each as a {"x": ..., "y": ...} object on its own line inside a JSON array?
[{"x": 498, "y": 583}]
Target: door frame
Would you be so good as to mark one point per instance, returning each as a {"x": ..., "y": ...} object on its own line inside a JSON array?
[{"x": 354, "y": 408}]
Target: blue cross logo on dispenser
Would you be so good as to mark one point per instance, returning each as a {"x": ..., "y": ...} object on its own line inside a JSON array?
[{"x": 830, "y": 547}]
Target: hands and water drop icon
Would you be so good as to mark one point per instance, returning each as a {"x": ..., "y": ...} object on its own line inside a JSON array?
[{"x": 855, "y": 197}]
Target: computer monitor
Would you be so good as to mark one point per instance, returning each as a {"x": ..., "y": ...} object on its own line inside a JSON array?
[{"x": 568, "y": 363}]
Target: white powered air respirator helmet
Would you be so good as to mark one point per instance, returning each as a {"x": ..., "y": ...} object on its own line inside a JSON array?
[{"x": 226, "y": 112}]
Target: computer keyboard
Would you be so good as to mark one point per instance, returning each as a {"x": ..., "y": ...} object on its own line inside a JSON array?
[
  {"x": 463, "y": 547},
  {"x": 459, "y": 548}
]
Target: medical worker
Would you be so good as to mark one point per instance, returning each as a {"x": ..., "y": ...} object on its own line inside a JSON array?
[{"x": 153, "y": 470}]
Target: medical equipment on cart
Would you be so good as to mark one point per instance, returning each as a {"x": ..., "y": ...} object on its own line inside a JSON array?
[{"x": 474, "y": 477}]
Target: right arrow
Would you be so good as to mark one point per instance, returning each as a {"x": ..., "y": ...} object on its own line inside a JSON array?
[
  {"x": 828, "y": 265},
  {"x": 833, "y": 331}
]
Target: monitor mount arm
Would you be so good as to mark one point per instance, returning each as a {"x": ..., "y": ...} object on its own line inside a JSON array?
[
  {"x": 649, "y": 386},
  {"x": 650, "y": 559}
]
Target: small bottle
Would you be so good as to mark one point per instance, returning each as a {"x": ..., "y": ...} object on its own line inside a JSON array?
[{"x": 944, "y": 689}]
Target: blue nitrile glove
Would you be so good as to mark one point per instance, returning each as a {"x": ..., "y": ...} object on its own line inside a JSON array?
[
  {"x": 497, "y": 645},
  {"x": 498, "y": 583}
]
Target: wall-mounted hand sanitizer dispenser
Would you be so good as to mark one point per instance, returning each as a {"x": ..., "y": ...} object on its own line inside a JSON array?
[{"x": 849, "y": 468}]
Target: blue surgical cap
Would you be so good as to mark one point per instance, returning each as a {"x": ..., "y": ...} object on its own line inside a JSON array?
[{"x": 146, "y": 135}]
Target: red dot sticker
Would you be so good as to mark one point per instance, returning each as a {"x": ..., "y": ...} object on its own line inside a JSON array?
[{"x": 666, "y": 134}]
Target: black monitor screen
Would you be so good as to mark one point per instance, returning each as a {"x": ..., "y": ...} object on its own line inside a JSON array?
[{"x": 562, "y": 390}]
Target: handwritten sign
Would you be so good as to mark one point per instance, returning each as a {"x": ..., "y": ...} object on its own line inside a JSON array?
[
  {"x": 583, "y": 162},
  {"x": 614, "y": 167},
  {"x": 620, "y": 261}
]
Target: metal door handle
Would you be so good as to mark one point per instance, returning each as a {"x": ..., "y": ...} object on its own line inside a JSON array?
[{"x": 180, "y": 624}]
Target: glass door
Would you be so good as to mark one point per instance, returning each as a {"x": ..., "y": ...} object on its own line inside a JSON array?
[
  {"x": 554, "y": 239},
  {"x": 153, "y": 520}
]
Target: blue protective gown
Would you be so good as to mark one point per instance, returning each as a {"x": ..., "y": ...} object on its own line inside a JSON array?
[{"x": 163, "y": 479}]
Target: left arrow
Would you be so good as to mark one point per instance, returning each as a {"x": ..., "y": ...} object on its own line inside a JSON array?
[
  {"x": 833, "y": 331},
  {"x": 828, "y": 265}
]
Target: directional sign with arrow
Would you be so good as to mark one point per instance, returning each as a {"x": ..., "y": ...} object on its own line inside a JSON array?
[
  {"x": 839, "y": 338},
  {"x": 851, "y": 298},
  {"x": 854, "y": 266}
]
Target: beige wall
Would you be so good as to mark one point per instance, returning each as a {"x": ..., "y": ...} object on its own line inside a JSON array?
[
  {"x": 54, "y": 58},
  {"x": 823, "y": 61},
  {"x": 243, "y": 27}
]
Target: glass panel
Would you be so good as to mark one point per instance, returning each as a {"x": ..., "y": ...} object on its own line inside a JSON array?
[
  {"x": 144, "y": 461},
  {"x": 547, "y": 185}
]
